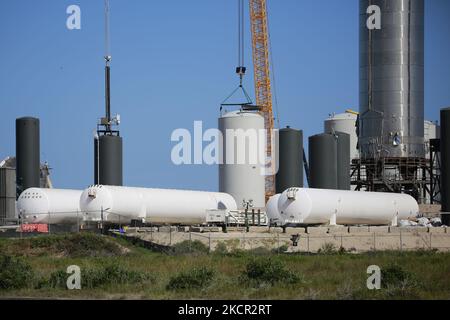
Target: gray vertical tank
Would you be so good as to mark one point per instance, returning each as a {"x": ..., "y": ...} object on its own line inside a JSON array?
[
  {"x": 7, "y": 194},
  {"x": 290, "y": 170},
  {"x": 343, "y": 160},
  {"x": 445, "y": 165},
  {"x": 392, "y": 80},
  {"x": 27, "y": 154},
  {"x": 108, "y": 160},
  {"x": 322, "y": 161}
]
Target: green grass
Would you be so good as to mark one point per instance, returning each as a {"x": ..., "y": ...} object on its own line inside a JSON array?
[{"x": 115, "y": 269}]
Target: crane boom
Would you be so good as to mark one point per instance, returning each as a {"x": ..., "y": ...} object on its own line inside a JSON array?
[{"x": 261, "y": 67}]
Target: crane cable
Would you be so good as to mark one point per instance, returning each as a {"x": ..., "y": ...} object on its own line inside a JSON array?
[{"x": 275, "y": 95}]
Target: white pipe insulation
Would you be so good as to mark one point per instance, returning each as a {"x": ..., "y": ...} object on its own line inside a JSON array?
[
  {"x": 301, "y": 206},
  {"x": 122, "y": 204}
]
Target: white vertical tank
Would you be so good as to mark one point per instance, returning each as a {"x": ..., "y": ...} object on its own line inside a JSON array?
[
  {"x": 50, "y": 206},
  {"x": 431, "y": 131},
  {"x": 346, "y": 123},
  {"x": 241, "y": 174}
]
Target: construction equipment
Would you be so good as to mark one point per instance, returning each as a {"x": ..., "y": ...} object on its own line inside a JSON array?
[{"x": 261, "y": 69}]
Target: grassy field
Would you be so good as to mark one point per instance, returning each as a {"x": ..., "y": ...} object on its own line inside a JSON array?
[{"x": 115, "y": 269}]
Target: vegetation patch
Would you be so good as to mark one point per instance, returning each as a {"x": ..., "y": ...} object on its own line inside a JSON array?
[
  {"x": 186, "y": 247},
  {"x": 15, "y": 273},
  {"x": 196, "y": 278},
  {"x": 268, "y": 270}
]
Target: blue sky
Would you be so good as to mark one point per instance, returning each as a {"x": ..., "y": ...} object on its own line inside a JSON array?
[{"x": 173, "y": 63}]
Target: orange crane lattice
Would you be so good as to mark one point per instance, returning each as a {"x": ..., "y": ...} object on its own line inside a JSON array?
[{"x": 261, "y": 69}]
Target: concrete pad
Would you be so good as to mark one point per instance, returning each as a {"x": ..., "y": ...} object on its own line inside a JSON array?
[
  {"x": 236, "y": 229},
  {"x": 259, "y": 229},
  {"x": 358, "y": 229},
  {"x": 337, "y": 229},
  {"x": 212, "y": 229},
  {"x": 379, "y": 229},
  {"x": 291, "y": 230},
  {"x": 317, "y": 230},
  {"x": 276, "y": 230},
  {"x": 438, "y": 230},
  {"x": 196, "y": 229},
  {"x": 183, "y": 229}
]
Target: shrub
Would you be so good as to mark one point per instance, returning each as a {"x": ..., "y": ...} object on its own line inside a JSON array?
[
  {"x": 268, "y": 270},
  {"x": 394, "y": 275},
  {"x": 15, "y": 273},
  {"x": 196, "y": 278},
  {"x": 195, "y": 247},
  {"x": 221, "y": 249},
  {"x": 327, "y": 248},
  {"x": 94, "y": 278}
]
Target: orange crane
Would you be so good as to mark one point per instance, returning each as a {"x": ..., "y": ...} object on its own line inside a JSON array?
[{"x": 261, "y": 69}]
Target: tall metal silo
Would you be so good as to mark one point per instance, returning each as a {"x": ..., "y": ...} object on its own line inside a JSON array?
[
  {"x": 391, "y": 117},
  {"x": 323, "y": 161},
  {"x": 7, "y": 194},
  {"x": 290, "y": 169},
  {"x": 343, "y": 160},
  {"x": 27, "y": 154},
  {"x": 445, "y": 165},
  {"x": 346, "y": 123},
  {"x": 392, "y": 80},
  {"x": 240, "y": 173},
  {"x": 108, "y": 160}
]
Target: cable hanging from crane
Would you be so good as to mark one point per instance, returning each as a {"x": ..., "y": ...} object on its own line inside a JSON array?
[{"x": 240, "y": 69}]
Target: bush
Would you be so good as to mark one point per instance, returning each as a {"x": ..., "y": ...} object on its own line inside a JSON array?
[
  {"x": 196, "y": 278},
  {"x": 221, "y": 249},
  {"x": 15, "y": 273},
  {"x": 195, "y": 247},
  {"x": 94, "y": 278},
  {"x": 327, "y": 248},
  {"x": 394, "y": 275},
  {"x": 268, "y": 270}
]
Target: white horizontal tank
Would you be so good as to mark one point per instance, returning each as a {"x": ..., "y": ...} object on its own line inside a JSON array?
[
  {"x": 49, "y": 206},
  {"x": 320, "y": 206},
  {"x": 158, "y": 206}
]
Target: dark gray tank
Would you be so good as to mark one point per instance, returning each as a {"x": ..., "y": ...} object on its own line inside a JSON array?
[
  {"x": 108, "y": 160},
  {"x": 322, "y": 161},
  {"x": 290, "y": 170},
  {"x": 27, "y": 154},
  {"x": 445, "y": 165},
  {"x": 343, "y": 160}
]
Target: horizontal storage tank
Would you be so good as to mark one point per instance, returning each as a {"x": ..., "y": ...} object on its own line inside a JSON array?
[
  {"x": 241, "y": 173},
  {"x": 158, "y": 206},
  {"x": 319, "y": 206},
  {"x": 272, "y": 210},
  {"x": 50, "y": 206}
]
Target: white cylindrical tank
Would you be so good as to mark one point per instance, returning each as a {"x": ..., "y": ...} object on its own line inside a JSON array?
[
  {"x": 320, "y": 206},
  {"x": 123, "y": 204},
  {"x": 50, "y": 206},
  {"x": 431, "y": 131},
  {"x": 242, "y": 174},
  {"x": 346, "y": 123}
]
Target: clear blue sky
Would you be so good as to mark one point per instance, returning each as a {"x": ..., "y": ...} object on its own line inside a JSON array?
[{"x": 173, "y": 63}]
